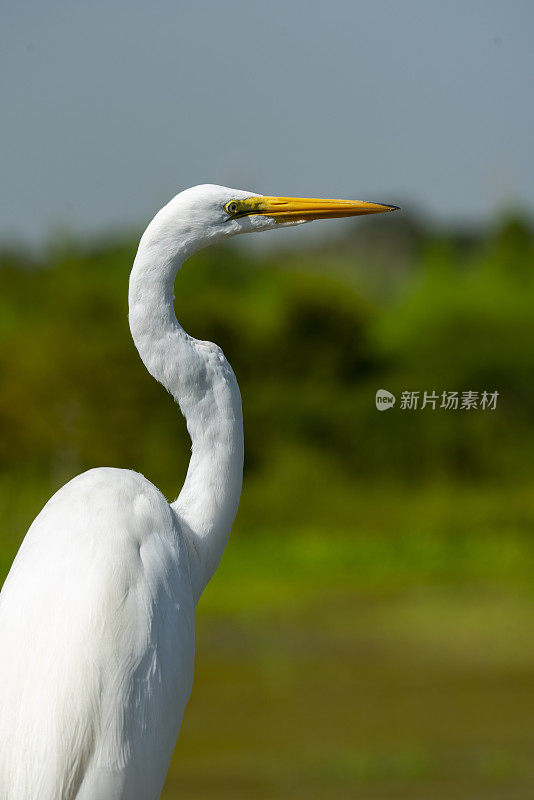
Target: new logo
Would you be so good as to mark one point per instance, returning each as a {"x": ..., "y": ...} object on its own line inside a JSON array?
[{"x": 384, "y": 399}]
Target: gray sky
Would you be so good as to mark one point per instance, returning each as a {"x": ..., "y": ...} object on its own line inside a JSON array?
[{"x": 110, "y": 108}]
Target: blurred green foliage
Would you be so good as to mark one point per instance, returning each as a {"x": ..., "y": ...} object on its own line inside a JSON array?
[
  {"x": 365, "y": 635},
  {"x": 311, "y": 335}
]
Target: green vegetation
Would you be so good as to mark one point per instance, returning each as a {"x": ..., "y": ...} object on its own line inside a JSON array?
[{"x": 368, "y": 633}]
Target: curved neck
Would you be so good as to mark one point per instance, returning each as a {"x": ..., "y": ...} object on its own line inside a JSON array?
[{"x": 202, "y": 382}]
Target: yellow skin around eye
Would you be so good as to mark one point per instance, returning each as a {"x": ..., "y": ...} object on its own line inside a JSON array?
[{"x": 249, "y": 205}]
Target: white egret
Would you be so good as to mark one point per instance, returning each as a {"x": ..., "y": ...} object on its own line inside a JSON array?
[{"x": 97, "y": 612}]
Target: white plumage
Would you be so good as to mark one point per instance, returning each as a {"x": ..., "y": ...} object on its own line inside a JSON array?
[
  {"x": 97, "y": 612},
  {"x": 97, "y": 634}
]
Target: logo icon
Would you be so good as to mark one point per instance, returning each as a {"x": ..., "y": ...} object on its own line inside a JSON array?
[{"x": 384, "y": 399}]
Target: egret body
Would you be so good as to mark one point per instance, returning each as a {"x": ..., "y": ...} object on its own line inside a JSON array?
[{"x": 97, "y": 612}]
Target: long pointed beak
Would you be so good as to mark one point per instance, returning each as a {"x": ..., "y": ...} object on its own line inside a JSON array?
[{"x": 309, "y": 208}]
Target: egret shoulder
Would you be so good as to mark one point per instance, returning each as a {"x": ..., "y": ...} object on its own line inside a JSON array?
[{"x": 105, "y": 566}]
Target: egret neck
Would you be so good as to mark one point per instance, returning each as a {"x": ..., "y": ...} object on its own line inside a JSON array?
[{"x": 203, "y": 383}]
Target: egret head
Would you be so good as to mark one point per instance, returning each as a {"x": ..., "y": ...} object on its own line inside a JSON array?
[{"x": 212, "y": 212}]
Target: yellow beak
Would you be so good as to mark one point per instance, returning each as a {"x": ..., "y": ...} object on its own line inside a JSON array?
[{"x": 309, "y": 208}]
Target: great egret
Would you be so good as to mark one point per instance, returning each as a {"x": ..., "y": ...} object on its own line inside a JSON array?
[{"x": 97, "y": 612}]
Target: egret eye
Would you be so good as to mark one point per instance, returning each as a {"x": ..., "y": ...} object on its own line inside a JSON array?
[{"x": 232, "y": 207}]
